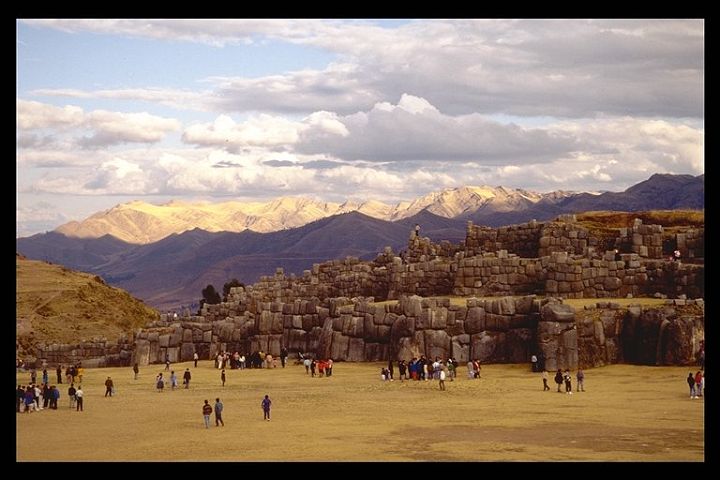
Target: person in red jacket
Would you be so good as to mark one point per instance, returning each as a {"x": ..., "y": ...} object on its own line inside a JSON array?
[{"x": 207, "y": 411}]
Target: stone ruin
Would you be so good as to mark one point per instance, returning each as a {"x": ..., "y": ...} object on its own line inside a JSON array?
[{"x": 330, "y": 310}]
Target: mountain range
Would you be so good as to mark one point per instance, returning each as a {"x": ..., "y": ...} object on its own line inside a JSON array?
[
  {"x": 142, "y": 223},
  {"x": 167, "y": 254}
]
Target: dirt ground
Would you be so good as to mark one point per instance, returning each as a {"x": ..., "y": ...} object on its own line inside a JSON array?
[{"x": 628, "y": 413}]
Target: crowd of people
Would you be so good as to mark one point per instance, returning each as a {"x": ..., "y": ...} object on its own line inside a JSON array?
[
  {"x": 38, "y": 396},
  {"x": 42, "y": 395}
]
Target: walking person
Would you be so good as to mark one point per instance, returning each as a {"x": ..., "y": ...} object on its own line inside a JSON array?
[
  {"x": 206, "y": 411},
  {"x": 568, "y": 381},
  {"x": 71, "y": 395},
  {"x": 698, "y": 383},
  {"x": 109, "y": 387},
  {"x": 403, "y": 370},
  {"x": 79, "y": 396},
  {"x": 580, "y": 380},
  {"x": 534, "y": 362},
  {"x": 307, "y": 363},
  {"x": 186, "y": 378},
  {"x": 442, "y": 377},
  {"x": 222, "y": 377},
  {"x": 195, "y": 358},
  {"x": 691, "y": 384},
  {"x": 218, "y": 413},
  {"x": 266, "y": 403},
  {"x": 167, "y": 362},
  {"x": 391, "y": 370},
  {"x": 159, "y": 382},
  {"x": 58, "y": 372},
  {"x": 559, "y": 379},
  {"x": 545, "y": 379},
  {"x": 19, "y": 396},
  {"x": 173, "y": 380},
  {"x": 136, "y": 370},
  {"x": 283, "y": 356}
]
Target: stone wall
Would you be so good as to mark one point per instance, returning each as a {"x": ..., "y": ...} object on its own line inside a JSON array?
[
  {"x": 498, "y": 273},
  {"x": 691, "y": 243},
  {"x": 95, "y": 353},
  {"x": 645, "y": 240},
  {"x": 497, "y": 330},
  {"x": 565, "y": 236},
  {"x": 522, "y": 239}
]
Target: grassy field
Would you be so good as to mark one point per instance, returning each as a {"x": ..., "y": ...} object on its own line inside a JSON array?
[{"x": 628, "y": 413}]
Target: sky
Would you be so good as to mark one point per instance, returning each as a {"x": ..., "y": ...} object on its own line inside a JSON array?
[{"x": 110, "y": 111}]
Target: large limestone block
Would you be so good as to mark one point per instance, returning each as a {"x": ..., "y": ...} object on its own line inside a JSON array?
[
  {"x": 263, "y": 322},
  {"x": 296, "y": 340},
  {"x": 506, "y": 306},
  {"x": 475, "y": 322},
  {"x": 488, "y": 346},
  {"x": 141, "y": 354},
  {"x": 438, "y": 318},
  {"x": 186, "y": 351},
  {"x": 460, "y": 348},
  {"x": 339, "y": 346},
  {"x": 164, "y": 340},
  {"x": 356, "y": 350},
  {"x": 276, "y": 326},
  {"x": 313, "y": 342},
  {"x": 403, "y": 327},
  {"x": 407, "y": 348},
  {"x": 173, "y": 354},
  {"x": 557, "y": 312},
  {"x": 274, "y": 342},
  {"x": 437, "y": 344},
  {"x": 324, "y": 339},
  {"x": 187, "y": 336}
]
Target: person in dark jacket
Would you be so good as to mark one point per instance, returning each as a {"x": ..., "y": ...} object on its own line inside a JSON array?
[
  {"x": 218, "y": 413},
  {"x": 691, "y": 384},
  {"x": 108, "y": 387},
  {"x": 559, "y": 379},
  {"x": 186, "y": 378}
]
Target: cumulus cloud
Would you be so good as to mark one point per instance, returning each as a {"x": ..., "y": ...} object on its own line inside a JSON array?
[
  {"x": 564, "y": 68},
  {"x": 105, "y": 128},
  {"x": 264, "y": 131},
  {"x": 416, "y": 130},
  {"x": 36, "y": 115}
]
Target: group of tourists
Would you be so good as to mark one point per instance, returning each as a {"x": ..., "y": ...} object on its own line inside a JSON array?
[
  {"x": 323, "y": 368},
  {"x": 218, "y": 408},
  {"x": 34, "y": 398},
  {"x": 37, "y": 396},
  {"x": 696, "y": 383},
  {"x": 160, "y": 380},
  {"x": 257, "y": 359}
]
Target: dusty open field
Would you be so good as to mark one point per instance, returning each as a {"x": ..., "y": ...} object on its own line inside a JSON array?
[{"x": 628, "y": 413}]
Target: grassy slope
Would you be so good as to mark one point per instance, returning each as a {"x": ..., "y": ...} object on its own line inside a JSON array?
[
  {"x": 55, "y": 304},
  {"x": 628, "y": 413}
]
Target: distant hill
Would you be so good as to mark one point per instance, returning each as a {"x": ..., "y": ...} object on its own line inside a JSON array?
[
  {"x": 56, "y": 305},
  {"x": 659, "y": 192}
]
